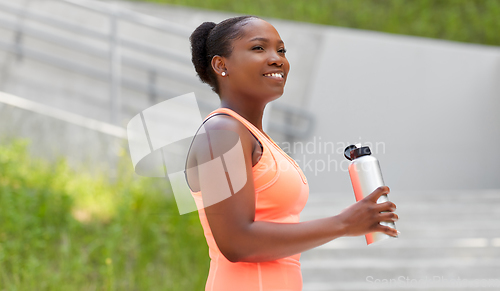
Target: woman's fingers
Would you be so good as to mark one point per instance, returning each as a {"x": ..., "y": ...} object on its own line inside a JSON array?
[
  {"x": 375, "y": 195},
  {"x": 388, "y": 216},
  {"x": 385, "y": 206},
  {"x": 387, "y": 230},
  {"x": 365, "y": 216}
]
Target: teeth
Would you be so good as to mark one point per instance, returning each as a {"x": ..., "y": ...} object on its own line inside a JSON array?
[{"x": 274, "y": 75}]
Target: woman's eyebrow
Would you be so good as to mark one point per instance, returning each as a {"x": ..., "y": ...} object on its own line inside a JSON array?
[{"x": 265, "y": 39}]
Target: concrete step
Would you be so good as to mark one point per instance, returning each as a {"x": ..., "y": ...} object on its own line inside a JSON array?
[
  {"x": 346, "y": 272},
  {"x": 342, "y": 270},
  {"x": 445, "y": 249},
  {"x": 449, "y": 241},
  {"x": 428, "y": 283}
]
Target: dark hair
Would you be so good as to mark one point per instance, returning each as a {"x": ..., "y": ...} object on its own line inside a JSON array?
[{"x": 210, "y": 39}]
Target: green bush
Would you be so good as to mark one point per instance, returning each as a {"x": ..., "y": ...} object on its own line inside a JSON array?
[
  {"x": 61, "y": 230},
  {"x": 475, "y": 21}
]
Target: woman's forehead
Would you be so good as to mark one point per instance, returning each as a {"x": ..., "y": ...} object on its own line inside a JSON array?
[{"x": 260, "y": 30}]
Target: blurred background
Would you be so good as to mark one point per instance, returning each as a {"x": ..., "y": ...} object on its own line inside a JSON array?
[{"x": 418, "y": 81}]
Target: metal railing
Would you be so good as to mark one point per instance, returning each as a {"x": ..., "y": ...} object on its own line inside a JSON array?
[{"x": 112, "y": 53}]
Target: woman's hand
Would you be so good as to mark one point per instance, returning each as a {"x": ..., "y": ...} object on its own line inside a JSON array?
[{"x": 364, "y": 216}]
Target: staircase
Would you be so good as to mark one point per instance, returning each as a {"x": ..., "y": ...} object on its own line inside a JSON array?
[
  {"x": 107, "y": 62},
  {"x": 450, "y": 240}
]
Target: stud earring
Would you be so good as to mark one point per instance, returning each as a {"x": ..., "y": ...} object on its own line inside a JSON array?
[{"x": 223, "y": 74}]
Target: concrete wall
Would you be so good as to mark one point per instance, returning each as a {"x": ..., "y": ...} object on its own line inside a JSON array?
[
  {"x": 89, "y": 145},
  {"x": 430, "y": 108}
]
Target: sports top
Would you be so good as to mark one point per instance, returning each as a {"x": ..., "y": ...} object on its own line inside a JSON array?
[{"x": 281, "y": 192}]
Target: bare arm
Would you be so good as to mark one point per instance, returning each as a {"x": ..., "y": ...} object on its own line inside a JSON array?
[{"x": 242, "y": 239}]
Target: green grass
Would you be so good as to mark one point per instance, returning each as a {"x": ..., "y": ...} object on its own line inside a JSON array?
[
  {"x": 475, "y": 21},
  {"x": 61, "y": 230}
]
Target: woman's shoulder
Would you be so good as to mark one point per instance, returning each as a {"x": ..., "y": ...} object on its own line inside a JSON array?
[
  {"x": 223, "y": 121},
  {"x": 220, "y": 133},
  {"x": 230, "y": 125}
]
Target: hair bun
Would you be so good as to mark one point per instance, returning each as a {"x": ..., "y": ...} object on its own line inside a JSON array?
[
  {"x": 209, "y": 40},
  {"x": 199, "y": 54}
]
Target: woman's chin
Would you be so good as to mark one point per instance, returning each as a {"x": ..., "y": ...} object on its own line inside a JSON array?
[{"x": 276, "y": 96}]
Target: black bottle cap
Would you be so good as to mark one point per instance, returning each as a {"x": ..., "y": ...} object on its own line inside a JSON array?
[
  {"x": 359, "y": 152},
  {"x": 347, "y": 151},
  {"x": 352, "y": 152}
]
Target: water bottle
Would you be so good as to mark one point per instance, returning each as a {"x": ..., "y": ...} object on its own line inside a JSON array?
[{"x": 366, "y": 176}]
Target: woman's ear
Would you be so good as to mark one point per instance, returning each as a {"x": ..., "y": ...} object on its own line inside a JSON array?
[{"x": 218, "y": 65}]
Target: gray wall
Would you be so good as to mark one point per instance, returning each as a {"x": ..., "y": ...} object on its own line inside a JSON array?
[
  {"x": 430, "y": 108},
  {"x": 91, "y": 146}
]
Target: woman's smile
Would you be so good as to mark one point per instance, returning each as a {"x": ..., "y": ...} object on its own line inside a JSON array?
[{"x": 276, "y": 76}]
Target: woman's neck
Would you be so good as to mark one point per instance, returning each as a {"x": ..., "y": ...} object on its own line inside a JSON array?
[{"x": 251, "y": 112}]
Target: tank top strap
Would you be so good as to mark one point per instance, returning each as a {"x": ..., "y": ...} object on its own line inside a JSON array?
[
  {"x": 263, "y": 138},
  {"x": 254, "y": 130}
]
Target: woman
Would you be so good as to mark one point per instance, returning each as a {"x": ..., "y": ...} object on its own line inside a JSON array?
[{"x": 248, "y": 191}]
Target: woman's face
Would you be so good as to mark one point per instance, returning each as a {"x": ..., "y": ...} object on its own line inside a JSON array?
[{"x": 257, "y": 66}]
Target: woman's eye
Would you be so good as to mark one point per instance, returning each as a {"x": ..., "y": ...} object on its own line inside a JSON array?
[
  {"x": 282, "y": 51},
  {"x": 258, "y": 48}
]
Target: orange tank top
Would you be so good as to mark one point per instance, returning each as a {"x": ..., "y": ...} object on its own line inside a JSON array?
[{"x": 281, "y": 192}]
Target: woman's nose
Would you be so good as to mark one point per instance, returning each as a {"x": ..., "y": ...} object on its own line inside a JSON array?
[{"x": 275, "y": 59}]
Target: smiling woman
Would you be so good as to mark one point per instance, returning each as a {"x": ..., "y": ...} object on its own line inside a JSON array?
[{"x": 248, "y": 191}]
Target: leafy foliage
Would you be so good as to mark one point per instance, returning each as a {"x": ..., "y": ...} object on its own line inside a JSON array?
[
  {"x": 62, "y": 230},
  {"x": 476, "y": 21}
]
